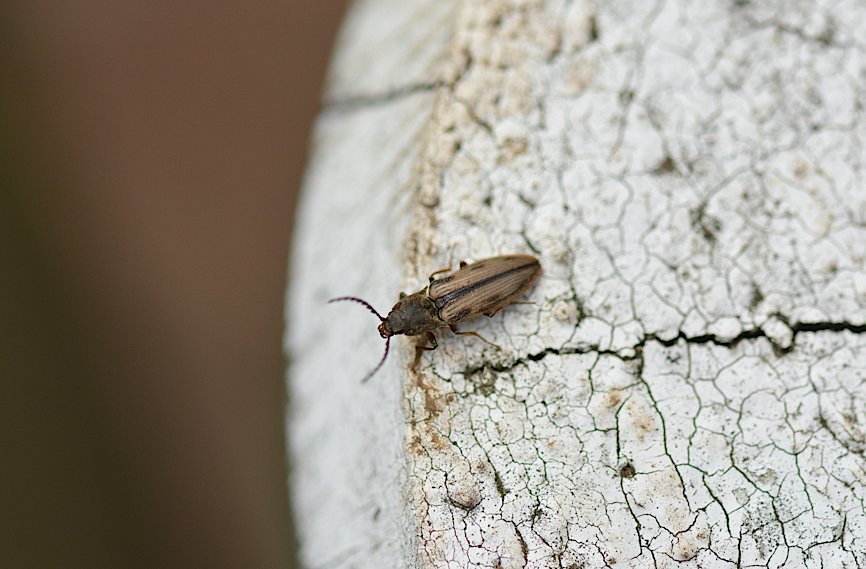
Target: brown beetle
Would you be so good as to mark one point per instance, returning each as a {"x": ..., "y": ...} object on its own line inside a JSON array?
[{"x": 484, "y": 287}]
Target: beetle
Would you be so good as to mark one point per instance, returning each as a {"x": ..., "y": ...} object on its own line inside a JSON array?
[{"x": 484, "y": 287}]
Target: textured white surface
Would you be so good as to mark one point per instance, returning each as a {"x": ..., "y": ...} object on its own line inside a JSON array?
[
  {"x": 345, "y": 438},
  {"x": 689, "y": 388}
]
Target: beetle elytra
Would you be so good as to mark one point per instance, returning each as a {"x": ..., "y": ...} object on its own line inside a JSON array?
[{"x": 481, "y": 288}]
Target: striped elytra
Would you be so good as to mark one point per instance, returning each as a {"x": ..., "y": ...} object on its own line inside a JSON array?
[{"x": 484, "y": 287}]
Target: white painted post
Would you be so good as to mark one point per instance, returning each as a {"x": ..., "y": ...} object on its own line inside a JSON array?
[{"x": 688, "y": 388}]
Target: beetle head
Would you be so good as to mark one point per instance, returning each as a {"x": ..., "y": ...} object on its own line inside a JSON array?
[
  {"x": 384, "y": 330},
  {"x": 413, "y": 315}
]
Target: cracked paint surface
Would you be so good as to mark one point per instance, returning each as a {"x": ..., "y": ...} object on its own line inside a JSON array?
[{"x": 689, "y": 388}]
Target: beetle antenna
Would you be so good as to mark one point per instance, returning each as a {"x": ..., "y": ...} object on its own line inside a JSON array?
[
  {"x": 365, "y": 303},
  {"x": 382, "y": 361}
]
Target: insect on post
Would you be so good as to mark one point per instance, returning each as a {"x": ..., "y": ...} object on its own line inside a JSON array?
[{"x": 481, "y": 288}]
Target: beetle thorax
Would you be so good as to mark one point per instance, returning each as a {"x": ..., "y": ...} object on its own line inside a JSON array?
[{"x": 412, "y": 315}]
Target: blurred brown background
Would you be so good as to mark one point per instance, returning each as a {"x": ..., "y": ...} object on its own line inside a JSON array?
[{"x": 150, "y": 155}]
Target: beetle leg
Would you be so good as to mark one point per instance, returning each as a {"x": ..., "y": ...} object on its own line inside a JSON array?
[
  {"x": 431, "y": 339},
  {"x": 476, "y": 334},
  {"x": 439, "y": 272}
]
